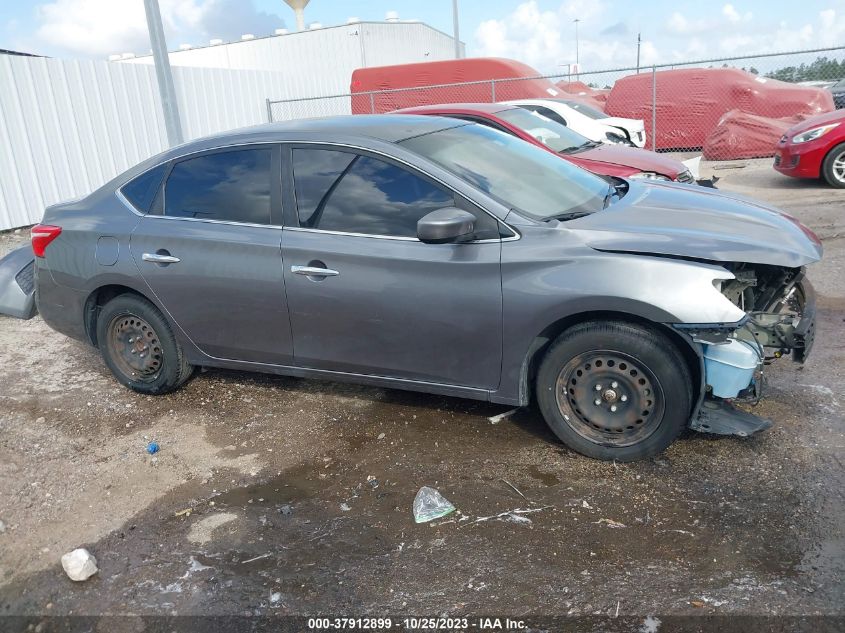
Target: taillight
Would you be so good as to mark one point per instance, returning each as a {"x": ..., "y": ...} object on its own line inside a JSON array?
[{"x": 42, "y": 235}]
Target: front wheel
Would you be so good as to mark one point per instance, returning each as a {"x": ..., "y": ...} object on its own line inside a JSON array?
[
  {"x": 139, "y": 347},
  {"x": 833, "y": 167},
  {"x": 614, "y": 391}
]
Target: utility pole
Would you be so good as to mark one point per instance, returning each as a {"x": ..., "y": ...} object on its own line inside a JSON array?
[
  {"x": 638, "y": 52},
  {"x": 167, "y": 94},
  {"x": 577, "y": 56},
  {"x": 456, "y": 29}
]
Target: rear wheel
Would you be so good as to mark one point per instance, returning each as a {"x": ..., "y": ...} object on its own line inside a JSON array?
[
  {"x": 833, "y": 167},
  {"x": 138, "y": 346},
  {"x": 612, "y": 390}
]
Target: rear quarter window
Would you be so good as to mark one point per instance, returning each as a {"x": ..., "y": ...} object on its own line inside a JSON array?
[{"x": 142, "y": 190}]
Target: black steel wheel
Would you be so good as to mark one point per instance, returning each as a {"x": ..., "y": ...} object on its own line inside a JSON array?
[
  {"x": 614, "y": 390},
  {"x": 615, "y": 398},
  {"x": 137, "y": 350},
  {"x": 139, "y": 347}
]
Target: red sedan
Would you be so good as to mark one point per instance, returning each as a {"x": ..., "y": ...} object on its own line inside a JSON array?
[
  {"x": 605, "y": 160},
  {"x": 815, "y": 148}
]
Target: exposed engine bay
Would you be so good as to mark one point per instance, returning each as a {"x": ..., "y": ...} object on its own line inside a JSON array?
[
  {"x": 779, "y": 306},
  {"x": 779, "y": 303}
]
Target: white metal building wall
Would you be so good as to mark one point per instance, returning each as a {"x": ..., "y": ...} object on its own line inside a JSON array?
[
  {"x": 68, "y": 126},
  {"x": 320, "y": 62}
]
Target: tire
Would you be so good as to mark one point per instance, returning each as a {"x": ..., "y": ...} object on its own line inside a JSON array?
[
  {"x": 639, "y": 378},
  {"x": 835, "y": 162},
  {"x": 139, "y": 348}
]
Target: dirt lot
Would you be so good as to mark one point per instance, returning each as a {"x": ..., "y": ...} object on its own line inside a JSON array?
[{"x": 300, "y": 492}]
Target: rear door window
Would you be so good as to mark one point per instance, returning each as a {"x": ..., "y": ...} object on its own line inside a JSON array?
[{"x": 229, "y": 186}]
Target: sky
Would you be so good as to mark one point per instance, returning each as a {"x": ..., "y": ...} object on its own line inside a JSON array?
[{"x": 538, "y": 32}]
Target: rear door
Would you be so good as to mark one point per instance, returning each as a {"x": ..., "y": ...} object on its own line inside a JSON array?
[
  {"x": 366, "y": 296},
  {"x": 210, "y": 252}
]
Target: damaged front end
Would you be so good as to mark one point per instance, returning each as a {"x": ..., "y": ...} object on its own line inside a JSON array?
[{"x": 780, "y": 307}]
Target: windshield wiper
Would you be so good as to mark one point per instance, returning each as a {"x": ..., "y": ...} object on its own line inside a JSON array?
[
  {"x": 580, "y": 148},
  {"x": 571, "y": 215}
]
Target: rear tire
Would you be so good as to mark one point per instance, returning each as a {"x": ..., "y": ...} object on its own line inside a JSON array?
[
  {"x": 614, "y": 391},
  {"x": 139, "y": 348},
  {"x": 833, "y": 167}
]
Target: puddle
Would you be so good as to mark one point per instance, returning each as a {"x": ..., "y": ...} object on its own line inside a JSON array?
[
  {"x": 296, "y": 484},
  {"x": 547, "y": 479}
]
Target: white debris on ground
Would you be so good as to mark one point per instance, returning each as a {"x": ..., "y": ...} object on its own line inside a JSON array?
[
  {"x": 610, "y": 523},
  {"x": 502, "y": 416},
  {"x": 510, "y": 515},
  {"x": 79, "y": 564},
  {"x": 516, "y": 518},
  {"x": 195, "y": 566}
]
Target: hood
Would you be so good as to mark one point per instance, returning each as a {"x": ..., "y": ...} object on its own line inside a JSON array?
[
  {"x": 837, "y": 116},
  {"x": 634, "y": 157},
  {"x": 684, "y": 221}
]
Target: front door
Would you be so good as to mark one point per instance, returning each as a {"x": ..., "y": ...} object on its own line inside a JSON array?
[
  {"x": 210, "y": 252},
  {"x": 365, "y": 296}
]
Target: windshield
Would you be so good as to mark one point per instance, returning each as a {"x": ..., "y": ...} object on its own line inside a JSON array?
[
  {"x": 839, "y": 84},
  {"x": 586, "y": 110},
  {"x": 520, "y": 175},
  {"x": 550, "y": 133}
]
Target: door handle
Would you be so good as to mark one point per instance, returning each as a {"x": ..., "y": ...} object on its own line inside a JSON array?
[
  {"x": 157, "y": 258},
  {"x": 313, "y": 271}
]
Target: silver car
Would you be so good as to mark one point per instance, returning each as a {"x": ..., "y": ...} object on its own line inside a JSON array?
[{"x": 430, "y": 254}]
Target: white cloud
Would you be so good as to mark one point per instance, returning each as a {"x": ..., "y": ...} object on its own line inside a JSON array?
[
  {"x": 97, "y": 28},
  {"x": 677, "y": 23},
  {"x": 545, "y": 39},
  {"x": 729, "y": 12}
]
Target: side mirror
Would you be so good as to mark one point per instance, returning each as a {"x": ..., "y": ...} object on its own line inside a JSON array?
[{"x": 445, "y": 225}]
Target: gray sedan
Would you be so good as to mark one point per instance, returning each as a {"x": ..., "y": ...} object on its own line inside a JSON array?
[{"x": 430, "y": 254}]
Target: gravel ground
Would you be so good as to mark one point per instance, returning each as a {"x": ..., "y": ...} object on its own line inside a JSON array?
[{"x": 275, "y": 495}]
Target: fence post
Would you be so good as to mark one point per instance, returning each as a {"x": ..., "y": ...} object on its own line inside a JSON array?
[
  {"x": 372, "y": 103},
  {"x": 654, "y": 108},
  {"x": 492, "y": 91},
  {"x": 269, "y": 111}
]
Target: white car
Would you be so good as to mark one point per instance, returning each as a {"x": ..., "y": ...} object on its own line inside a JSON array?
[{"x": 588, "y": 121}]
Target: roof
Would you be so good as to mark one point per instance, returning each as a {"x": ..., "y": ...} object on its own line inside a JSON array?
[
  {"x": 378, "y": 126},
  {"x": 350, "y": 128},
  {"x": 5, "y": 51},
  {"x": 340, "y": 129},
  {"x": 300, "y": 33},
  {"x": 487, "y": 108}
]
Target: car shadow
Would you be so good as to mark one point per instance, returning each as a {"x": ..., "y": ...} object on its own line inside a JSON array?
[{"x": 527, "y": 419}]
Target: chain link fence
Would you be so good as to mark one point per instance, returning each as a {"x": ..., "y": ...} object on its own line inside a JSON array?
[{"x": 728, "y": 108}]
